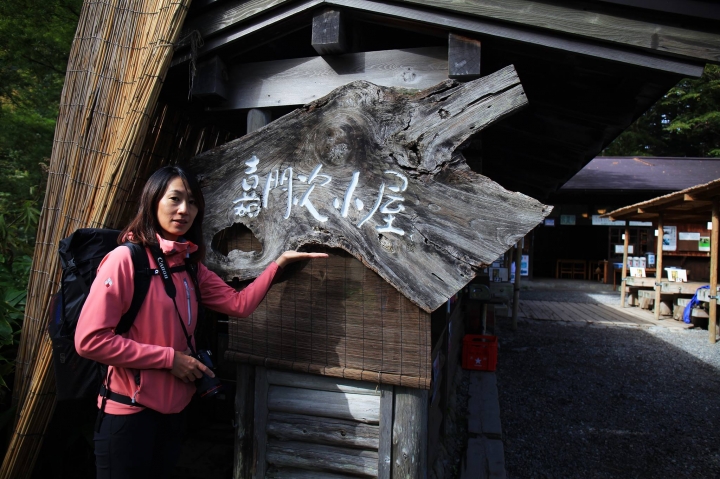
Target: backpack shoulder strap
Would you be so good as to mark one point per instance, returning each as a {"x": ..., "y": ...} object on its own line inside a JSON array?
[{"x": 141, "y": 286}]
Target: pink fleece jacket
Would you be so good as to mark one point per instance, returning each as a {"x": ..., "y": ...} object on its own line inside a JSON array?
[{"x": 150, "y": 344}]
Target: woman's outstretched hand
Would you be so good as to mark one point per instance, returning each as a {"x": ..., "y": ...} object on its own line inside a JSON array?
[{"x": 292, "y": 256}]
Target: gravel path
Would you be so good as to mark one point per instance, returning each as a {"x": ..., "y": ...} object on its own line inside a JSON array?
[
  {"x": 596, "y": 402},
  {"x": 595, "y": 297}
]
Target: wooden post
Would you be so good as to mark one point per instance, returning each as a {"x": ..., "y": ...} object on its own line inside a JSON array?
[
  {"x": 516, "y": 288},
  {"x": 409, "y": 455},
  {"x": 257, "y": 118},
  {"x": 244, "y": 406},
  {"x": 386, "y": 425},
  {"x": 712, "y": 324},
  {"x": 260, "y": 429},
  {"x": 624, "y": 266},
  {"x": 658, "y": 267}
]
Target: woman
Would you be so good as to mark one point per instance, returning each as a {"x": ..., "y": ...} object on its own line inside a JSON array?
[{"x": 151, "y": 376}]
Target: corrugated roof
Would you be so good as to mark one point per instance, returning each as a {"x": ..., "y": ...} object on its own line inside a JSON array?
[{"x": 644, "y": 173}]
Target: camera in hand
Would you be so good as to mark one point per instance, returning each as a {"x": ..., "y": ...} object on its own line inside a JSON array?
[{"x": 207, "y": 387}]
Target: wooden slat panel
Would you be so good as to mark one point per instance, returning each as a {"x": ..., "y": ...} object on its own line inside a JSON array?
[
  {"x": 324, "y": 458},
  {"x": 261, "y": 413},
  {"x": 281, "y": 473},
  {"x": 320, "y": 430},
  {"x": 358, "y": 407},
  {"x": 301, "y": 80},
  {"x": 321, "y": 383}
]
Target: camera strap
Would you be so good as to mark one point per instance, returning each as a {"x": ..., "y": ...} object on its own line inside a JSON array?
[{"x": 170, "y": 289}]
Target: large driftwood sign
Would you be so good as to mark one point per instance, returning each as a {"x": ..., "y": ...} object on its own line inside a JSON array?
[{"x": 373, "y": 170}]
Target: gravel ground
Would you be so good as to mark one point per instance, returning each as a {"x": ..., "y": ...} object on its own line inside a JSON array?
[
  {"x": 594, "y": 297},
  {"x": 598, "y": 402}
]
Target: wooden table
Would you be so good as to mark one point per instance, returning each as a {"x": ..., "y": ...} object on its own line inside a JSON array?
[{"x": 571, "y": 267}]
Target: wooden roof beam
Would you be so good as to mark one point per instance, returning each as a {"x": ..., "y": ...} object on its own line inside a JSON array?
[
  {"x": 594, "y": 24},
  {"x": 222, "y": 26}
]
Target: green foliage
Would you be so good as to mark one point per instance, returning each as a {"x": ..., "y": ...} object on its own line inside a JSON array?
[
  {"x": 685, "y": 122},
  {"x": 35, "y": 40}
]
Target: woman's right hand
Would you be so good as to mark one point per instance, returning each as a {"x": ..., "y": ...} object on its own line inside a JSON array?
[{"x": 188, "y": 368}]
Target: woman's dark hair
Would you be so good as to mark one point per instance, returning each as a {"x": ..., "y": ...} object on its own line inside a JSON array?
[{"x": 144, "y": 228}]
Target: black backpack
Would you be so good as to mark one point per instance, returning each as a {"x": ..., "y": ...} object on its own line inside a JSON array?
[{"x": 80, "y": 256}]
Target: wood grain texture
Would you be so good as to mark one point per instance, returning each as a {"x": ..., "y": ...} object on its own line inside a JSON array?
[
  {"x": 260, "y": 425},
  {"x": 230, "y": 13},
  {"x": 352, "y": 407},
  {"x": 448, "y": 220},
  {"x": 526, "y": 34},
  {"x": 409, "y": 456},
  {"x": 328, "y": 32},
  {"x": 321, "y": 430},
  {"x": 385, "y": 439},
  {"x": 244, "y": 407},
  {"x": 284, "y": 473},
  {"x": 297, "y": 81},
  {"x": 463, "y": 57},
  {"x": 587, "y": 23},
  {"x": 325, "y": 458},
  {"x": 321, "y": 383}
]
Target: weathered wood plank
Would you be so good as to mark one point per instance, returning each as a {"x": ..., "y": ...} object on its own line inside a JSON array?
[
  {"x": 521, "y": 33},
  {"x": 321, "y": 383},
  {"x": 282, "y": 473},
  {"x": 409, "y": 456},
  {"x": 385, "y": 439},
  {"x": 231, "y": 13},
  {"x": 358, "y": 407},
  {"x": 322, "y": 458},
  {"x": 244, "y": 407},
  {"x": 483, "y": 405},
  {"x": 328, "y": 33},
  {"x": 367, "y": 150},
  {"x": 301, "y": 80},
  {"x": 587, "y": 23},
  {"x": 463, "y": 57},
  {"x": 257, "y": 118},
  {"x": 261, "y": 413},
  {"x": 321, "y": 430}
]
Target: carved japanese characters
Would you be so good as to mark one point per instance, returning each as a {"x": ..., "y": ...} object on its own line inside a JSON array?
[{"x": 373, "y": 171}]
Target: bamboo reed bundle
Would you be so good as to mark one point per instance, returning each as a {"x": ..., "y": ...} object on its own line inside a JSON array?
[{"x": 119, "y": 57}]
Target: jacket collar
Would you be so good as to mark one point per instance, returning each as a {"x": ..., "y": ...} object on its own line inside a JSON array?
[{"x": 181, "y": 246}]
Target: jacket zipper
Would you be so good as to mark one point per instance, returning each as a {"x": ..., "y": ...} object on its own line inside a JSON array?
[{"x": 187, "y": 295}]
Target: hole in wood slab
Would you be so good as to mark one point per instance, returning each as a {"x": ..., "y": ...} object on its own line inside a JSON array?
[{"x": 236, "y": 237}]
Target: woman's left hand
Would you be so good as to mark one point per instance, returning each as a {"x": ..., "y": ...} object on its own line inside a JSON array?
[{"x": 292, "y": 256}]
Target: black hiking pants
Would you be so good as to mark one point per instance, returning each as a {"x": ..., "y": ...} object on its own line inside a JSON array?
[{"x": 138, "y": 446}]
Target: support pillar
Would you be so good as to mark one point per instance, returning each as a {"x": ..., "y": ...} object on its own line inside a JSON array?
[
  {"x": 623, "y": 274},
  {"x": 658, "y": 266},
  {"x": 516, "y": 288},
  {"x": 712, "y": 323}
]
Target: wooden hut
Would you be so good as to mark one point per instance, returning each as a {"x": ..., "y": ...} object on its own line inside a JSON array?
[{"x": 155, "y": 81}]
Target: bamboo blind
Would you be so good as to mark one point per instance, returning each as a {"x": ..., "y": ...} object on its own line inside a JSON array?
[
  {"x": 119, "y": 57},
  {"x": 335, "y": 317}
]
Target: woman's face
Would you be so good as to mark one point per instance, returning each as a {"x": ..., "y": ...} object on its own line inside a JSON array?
[{"x": 176, "y": 210}]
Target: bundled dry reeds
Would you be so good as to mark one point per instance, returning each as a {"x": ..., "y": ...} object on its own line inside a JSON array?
[{"x": 119, "y": 57}]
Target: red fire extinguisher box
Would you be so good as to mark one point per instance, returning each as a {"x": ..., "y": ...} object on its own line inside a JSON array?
[{"x": 479, "y": 352}]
